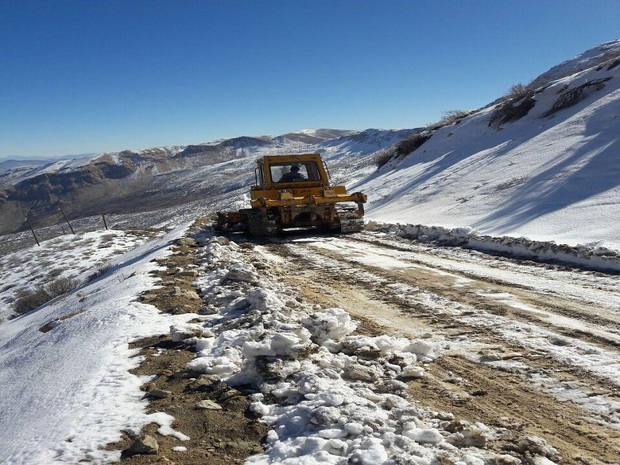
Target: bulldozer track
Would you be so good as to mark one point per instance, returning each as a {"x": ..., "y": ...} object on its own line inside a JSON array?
[
  {"x": 259, "y": 224},
  {"x": 349, "y": 220}
]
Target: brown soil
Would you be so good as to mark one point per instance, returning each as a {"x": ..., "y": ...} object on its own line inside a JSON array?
[
  {"x": 477, "y": 393},
  {"x": 220, "y": 437}
]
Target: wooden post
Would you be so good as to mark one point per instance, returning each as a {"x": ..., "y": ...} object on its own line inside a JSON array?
[
  {"x": 104, "y": 221},
  {"x": 32, "y": 229},
  {"x": 67, "y": 220}
]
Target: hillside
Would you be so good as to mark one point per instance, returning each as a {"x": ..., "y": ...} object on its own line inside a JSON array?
[
  {"x": 403, "y": 344},
  {"x": 539, "y": 162},
  {"x": 543, "y": 163}
]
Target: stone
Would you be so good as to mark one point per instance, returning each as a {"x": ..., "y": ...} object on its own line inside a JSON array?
[
  {"x": 187, "y": 273},
  {"x": 208, "y": 405},
  {"x": 187, "y": 241},
  {"x": 149, "y": 297},
  {"x": 187, "y": 294},
  {"x": 185, "y": 331},
  {"x": 360, "y": 373},
  {"x": 239, "y": 273},
  {"x": 157, "y": 394},
  {"x": 221, "y": 240},
  {"x": 145, "y": 445},
  {"x": 206, "y": 383},
  {"x": 209, "y": 310}
]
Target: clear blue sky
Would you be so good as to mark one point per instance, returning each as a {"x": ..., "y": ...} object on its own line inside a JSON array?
[{"x": 82, "y": 76}]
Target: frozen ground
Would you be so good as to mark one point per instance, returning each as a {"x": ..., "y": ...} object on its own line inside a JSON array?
[{"x": 285, "y": 318}]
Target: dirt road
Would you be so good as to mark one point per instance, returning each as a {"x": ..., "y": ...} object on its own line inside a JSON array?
[
  {"x": 530, "y": 350},
  {"x": 527, "y": 347}
]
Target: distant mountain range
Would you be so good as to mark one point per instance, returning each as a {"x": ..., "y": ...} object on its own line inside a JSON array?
[{"x": 136, "y": 181}]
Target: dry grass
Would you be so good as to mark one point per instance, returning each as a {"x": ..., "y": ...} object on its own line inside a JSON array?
[
  {"x": 515, "y": 105},
  {"x": 571, "y": 97},
  {"x": 99, "y": 272},
  {"x": 402, "y": 149},
  {"x": 28, "y": 300},
  {"x": 383, "y": 156},
  {"x": 451, "y": 117}
]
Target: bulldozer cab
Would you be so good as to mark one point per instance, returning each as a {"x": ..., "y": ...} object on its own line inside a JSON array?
[
  {"x": 291, "y": 171},
  {"x": 295, "y": 172}
]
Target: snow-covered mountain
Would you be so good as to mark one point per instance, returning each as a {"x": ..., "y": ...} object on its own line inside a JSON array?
[{"x": 539, "y": 162}]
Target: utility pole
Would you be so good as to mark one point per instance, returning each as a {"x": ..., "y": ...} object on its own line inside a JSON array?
[
  {"x": 32, "y": 229},
  {"x": 67, "y": 220},
  {"x": 104, "y": 221}
]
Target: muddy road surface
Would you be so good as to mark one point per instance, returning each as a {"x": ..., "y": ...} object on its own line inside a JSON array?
[{"x": 529, "y": 347}]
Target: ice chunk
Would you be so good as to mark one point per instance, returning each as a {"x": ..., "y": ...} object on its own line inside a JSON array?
[
  {"x": 259, "y": 408},
  {"x": 185, "y": 331},
  {"x": 332, "y": 433},
  {"x": 354, "y": 428},
  {"x": 331, "y": 398},
  {"x": 333, "y": 323},
  {"x": 283, "y": 343},
  {"x": 371, "y": 452},
  {"x": 423, "y": 435},
  {"x": 422, "y": 349},
  {"x": 264, "y": 299}
]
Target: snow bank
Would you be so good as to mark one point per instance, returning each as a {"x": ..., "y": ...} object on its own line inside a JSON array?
[{"x": 593, "y": 256}]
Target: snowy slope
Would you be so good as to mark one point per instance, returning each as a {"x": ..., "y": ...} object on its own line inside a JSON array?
[
  {"x": 56, "y": 385},
  {"x": 546, "y": 178}
]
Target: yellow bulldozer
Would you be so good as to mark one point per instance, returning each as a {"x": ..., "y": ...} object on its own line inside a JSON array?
[{"x": 294, "y": 191}]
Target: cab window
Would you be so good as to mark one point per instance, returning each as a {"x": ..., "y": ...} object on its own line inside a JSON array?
[{"x": 294, "y": 172}]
